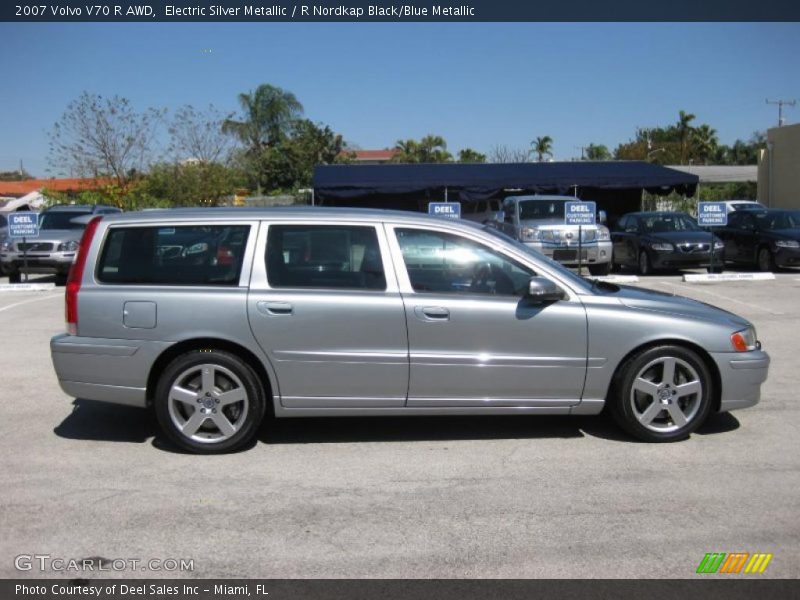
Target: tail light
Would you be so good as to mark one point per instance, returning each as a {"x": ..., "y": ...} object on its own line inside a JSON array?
[{"x": 76, "y": 276}]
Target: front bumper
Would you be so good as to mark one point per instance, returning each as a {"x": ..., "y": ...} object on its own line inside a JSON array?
[
  {"x": 591, "y": 252},
  {"x": 677, "y": 260},
  {"x": 37, "y": 262},
  {"x": 741, "y": 375},
  {"x": 787, "y": 257}
]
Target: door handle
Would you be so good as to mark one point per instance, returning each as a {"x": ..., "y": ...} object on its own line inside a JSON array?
[
  {"x": 275, "y": 308},
  {"x": 432, "y": 313}
]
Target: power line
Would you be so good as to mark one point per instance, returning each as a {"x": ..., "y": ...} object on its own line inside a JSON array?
[{"x": 781, "y": 104}]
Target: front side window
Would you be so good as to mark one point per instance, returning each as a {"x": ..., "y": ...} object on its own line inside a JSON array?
[
  {"x": 445, "y": 263},
  {"x": 183, "y": 255},
  {"x": 324, "y": 256}
]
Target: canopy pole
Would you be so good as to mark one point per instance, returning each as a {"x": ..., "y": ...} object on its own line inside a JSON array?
[{"x": 445, "y": 194}]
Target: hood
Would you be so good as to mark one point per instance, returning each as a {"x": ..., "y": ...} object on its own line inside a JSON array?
[
  {"x": 784, "y": 234},
  {"x": 676, "y": 305},
  {"x": 679, "y": 237}
]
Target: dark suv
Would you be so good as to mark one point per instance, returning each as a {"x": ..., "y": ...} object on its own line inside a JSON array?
[{"x": 53, "y": 251}]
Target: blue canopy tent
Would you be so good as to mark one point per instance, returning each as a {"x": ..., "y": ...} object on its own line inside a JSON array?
[{"x": 615, "y": 185}]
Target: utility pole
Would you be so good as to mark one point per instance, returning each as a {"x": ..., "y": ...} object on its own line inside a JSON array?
[
  {"x": 582, "y": 149},
  {"x": 781, "y": 104}
]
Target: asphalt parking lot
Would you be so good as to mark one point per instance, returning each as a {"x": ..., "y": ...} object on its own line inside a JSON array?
[{"x": 417, "y": 497}]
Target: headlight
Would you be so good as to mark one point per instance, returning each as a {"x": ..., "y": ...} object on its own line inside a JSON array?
[
  {"x": 5, "y": 246},
  {"x": 719, "y": 245},
  {"x": 744, "y": 340},
  {"x": 787, "y": 244},
  {"x": 662, "y": 247},
  {"x": 603, "y": 234},
  {"x": 68, "y": 246},
  {"x": 547, "y": 236},
  {"x": 529, "y": 234}
]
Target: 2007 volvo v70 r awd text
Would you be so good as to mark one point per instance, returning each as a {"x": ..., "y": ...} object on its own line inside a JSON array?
[{"x": 215, "y": 316}]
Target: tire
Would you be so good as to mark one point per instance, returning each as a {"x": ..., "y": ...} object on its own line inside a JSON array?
[
  {"x": 600, "y": 269},
  {"x": 221, "y": 424},
  {"x": 645, "y": 266},
  {"x": 615, "y": 267},
  {"x": 650, "y": 407},
  {"x": 14, "y": 277},
  {"x": 765, "y": 260}
]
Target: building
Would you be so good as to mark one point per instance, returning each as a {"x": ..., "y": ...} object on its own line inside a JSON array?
[
  {"x": 779, "y": 168},
  {"x": 373, "y": 157},
  {"x": 17, "y": 189}
]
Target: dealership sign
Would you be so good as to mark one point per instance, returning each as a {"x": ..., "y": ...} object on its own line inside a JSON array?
[
  {"x": 451, "y": 210},
  {"x": 712, "y": 214},
  {"x": 580, "y": 213},
  {"x": 23, "y": 225}
]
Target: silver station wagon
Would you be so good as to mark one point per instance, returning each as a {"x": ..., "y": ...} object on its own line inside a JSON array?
[{"x": 214, "y": 317}]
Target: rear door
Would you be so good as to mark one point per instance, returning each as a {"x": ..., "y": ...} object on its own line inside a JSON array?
[{"x": 325, "y": 307}]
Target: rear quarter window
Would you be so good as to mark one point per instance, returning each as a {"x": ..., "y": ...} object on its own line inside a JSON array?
[{"x": 183, "y": 255}]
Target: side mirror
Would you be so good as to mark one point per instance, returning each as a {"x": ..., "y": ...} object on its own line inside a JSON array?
[
  {"x": 542, "y": 290},
  {"x": 602, "y": 217},
  {"x": 500, "y": 216}
]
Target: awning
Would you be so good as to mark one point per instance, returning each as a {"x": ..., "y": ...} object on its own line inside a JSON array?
[{"x": 482, "y": 181}]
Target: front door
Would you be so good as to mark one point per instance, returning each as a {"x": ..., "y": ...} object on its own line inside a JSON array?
[
  {"x": 325, "y": 308},
  {"x": 474, "y": 340}
]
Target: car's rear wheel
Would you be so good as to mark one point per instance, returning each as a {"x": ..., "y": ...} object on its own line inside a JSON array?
[
  {"x": 209, "y": 402},
  {"x": 14, "y": 277},
  {"x": 766, "y": 261},
  {"x": 662, "y": 394}
]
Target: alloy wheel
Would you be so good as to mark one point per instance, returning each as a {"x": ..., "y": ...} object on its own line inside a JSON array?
[{"x": 666, "y": 394}]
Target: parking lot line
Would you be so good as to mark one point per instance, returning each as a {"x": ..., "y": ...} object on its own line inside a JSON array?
[
  {"x": 21, "y": 302},
  {"x": 721, "y": 296}
]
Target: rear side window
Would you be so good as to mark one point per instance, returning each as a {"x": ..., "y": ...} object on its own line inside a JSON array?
[
  {"x": 185, "y": 255},
  {"x": 324, "y": 256}
]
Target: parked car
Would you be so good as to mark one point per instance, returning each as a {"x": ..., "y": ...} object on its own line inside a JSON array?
[
  {"x": 538, "y": 222},
  {"x": 734, "y": 205},
  {"x": 766, "y": 238},
  {"x": 329, "y": 312},
  {"x": 650, "y": 241},
  {"x": 52, "y": 252}
]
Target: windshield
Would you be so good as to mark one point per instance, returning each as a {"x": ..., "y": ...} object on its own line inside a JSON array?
[
  {"x": 541, "y": 209},
  {"x": 668, "y": 223},
  {"x": 781, "y": 220},
  {"x": 60, "y": 220},
  {"x": 561, "y": 269}
]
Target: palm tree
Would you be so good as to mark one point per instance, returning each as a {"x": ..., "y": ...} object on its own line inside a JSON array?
[
  {"x": 406, "y": 151},
  {"x": 430, "y": 149},
  {"x": 704, "y": 142},
  {"x": 684, "y": 129},
  {"x": 542, "y": 146},
  {"x": 597, "y": 152},
  {"x": 269, "y": 113}
]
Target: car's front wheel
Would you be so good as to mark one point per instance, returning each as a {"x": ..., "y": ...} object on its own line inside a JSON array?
[
  {"x": 14, "y": 277},
  {"x": 209, "y": 402},
  {"x": 645, "y": 264},
  {"x": 766, "y": 261},
  {"x": 662, "y": 394}
]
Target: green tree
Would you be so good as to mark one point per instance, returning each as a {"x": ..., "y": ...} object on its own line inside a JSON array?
[
  {"x": 15, "y": 175},
  {"x": 430, "y": 149},
  {"x": 468, "y": 155},
  {"x": 187, "y": 184},
  {"x": 542, "y": 146},
  {"x": 704, "y": 143},
  {"x": 597, "y": 152},
  {"x": 269, "y": 114}
]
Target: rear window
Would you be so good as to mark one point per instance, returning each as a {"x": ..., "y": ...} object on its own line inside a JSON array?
[
  {"x": 185, "y": 255},
  {"x": 324, "y": 256}
]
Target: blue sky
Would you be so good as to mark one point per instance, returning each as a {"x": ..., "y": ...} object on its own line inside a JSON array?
[{"x": 475, "y": 84}]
